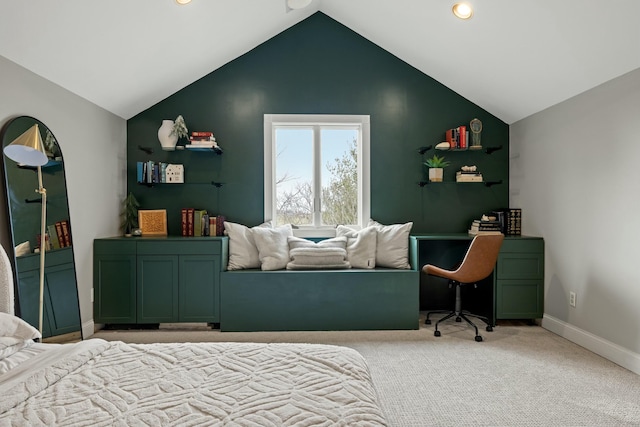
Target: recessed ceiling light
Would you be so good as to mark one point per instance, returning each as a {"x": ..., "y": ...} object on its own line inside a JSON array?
[
  {"x": 462, "y": 10},
  {"x": 183, "y": 1},
  {"x": 298, "y": 4}
]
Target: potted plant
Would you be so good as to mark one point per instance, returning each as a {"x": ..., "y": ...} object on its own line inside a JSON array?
[
  {"x": 129, "y": 215},
  {"x": 180, "y": 128},
  {"x": 436, "y": 167}
]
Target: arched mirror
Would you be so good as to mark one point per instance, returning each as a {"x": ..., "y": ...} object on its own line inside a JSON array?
[{"x": 61, "y": 314}]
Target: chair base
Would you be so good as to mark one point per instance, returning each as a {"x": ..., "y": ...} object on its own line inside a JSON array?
[{"x": 460, "y": 316}]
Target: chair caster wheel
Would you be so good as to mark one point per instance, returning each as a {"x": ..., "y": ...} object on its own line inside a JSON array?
[
  {"x": 458, "y": 319},
  {"x": 436, "y": 333},
  {"x": 489, "y": 328},
  {"x": 427, "y": 322},
  {"x": 478, "y": 338}
]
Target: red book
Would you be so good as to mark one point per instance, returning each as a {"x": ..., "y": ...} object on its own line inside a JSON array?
[
  {"x": 462, "y": 130},
  {"x": 183, "y": 220},
  {"x": 190, "y": 213},
  {"x": 66, "y": 230},
  {"x": 63, "y": 242},
  {"x": 212, "y": 226},
  {"x": 220, "y": 225},
  {"x": 201, "y": 134},
  {"x": 449, "y": 138}
]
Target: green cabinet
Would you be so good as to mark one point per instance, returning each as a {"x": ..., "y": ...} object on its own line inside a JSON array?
[
  {"x": 60, "y": 302},
  {"x": 157, "y": 280},
  {"x": 520, "y": 279}
]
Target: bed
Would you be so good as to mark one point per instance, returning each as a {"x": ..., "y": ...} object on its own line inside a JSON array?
[{"x": 101, "y": 383}]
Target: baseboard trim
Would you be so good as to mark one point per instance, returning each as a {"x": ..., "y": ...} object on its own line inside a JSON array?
[
  {"x": 88, "y": 328},
  {"x": 611, "y": 351}
]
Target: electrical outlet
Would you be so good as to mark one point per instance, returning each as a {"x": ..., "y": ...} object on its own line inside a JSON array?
[{"x": 572, "y": 299}]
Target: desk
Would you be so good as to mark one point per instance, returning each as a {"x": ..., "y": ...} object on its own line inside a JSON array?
[{"x": 515, "y": 289}]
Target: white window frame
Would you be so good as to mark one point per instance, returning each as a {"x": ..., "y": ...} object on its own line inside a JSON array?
[{"x": 272, "y": 121}]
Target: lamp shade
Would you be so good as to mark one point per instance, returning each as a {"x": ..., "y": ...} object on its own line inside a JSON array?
[{"x": 28, "y": 148}]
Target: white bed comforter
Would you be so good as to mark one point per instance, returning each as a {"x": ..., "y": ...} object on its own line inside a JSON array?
[{"x": 233, "y": 384}]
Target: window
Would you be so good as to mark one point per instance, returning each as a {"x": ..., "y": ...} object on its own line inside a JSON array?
[{"x": 316, "y": 171}]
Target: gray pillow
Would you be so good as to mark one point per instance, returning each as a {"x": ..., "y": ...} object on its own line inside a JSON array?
[
  {"x": 317, "y": 257},
  {"x": 243, "y": 252},
  {"x": 392, "y": 249}
]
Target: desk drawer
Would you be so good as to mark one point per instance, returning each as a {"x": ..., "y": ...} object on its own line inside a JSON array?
[
  {"x": 522, "y": 244},
  {"x": 519, "y": 299},
  {"x": 520, "y": 266}
]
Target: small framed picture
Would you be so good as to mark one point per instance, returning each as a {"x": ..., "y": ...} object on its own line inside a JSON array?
[{"x": 153, "y": 222}]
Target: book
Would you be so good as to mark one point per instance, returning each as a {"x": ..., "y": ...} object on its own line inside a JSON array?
[
  {"x": 474, "y": 233},
  {"x": 197, "y": 222},
  {"x": 212, "y": 226},
  {"x": 53, "y": 237},
  {"x": 205, "y": 224},
  {"x": 462, "y": 138},
  {"x": 220, "y": 219},
  {"x": 183, "y": 221},
  {"x": 60, "y": 234},
  {"x": 66, "y": 231},
  {"x": 201, "y": 133},
  {"x": 190, "y": 212}
]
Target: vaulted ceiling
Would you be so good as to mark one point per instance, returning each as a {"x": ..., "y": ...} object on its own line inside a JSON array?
[{"x": 513, "y": 58}]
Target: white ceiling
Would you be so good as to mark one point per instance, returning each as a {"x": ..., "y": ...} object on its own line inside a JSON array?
[{"x": 513, "y": 58}]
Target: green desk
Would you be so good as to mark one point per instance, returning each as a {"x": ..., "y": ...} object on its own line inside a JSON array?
[{"x": 515, "y": 290}]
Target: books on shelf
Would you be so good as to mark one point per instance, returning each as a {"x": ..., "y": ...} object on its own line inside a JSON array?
[
  {"x": 468, "y": 177},
  {"x": 199, "y": 222},
  {"x": 150, "y": 172},
  {"x": 510, "y": 220},
  {"x": 458, "y": 138}
]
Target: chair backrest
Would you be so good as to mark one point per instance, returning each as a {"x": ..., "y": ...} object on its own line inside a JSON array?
[{"x": 480, "y": 259}]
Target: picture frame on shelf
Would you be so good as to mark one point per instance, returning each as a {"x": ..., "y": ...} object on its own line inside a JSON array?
[{"x": 153, "y": 222}]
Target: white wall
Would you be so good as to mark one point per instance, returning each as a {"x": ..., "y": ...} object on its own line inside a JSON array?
[
  {"x": 575, "y": 172},
  {"x": 93, "y": 143}
]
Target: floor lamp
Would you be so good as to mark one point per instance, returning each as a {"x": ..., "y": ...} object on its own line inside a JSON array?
[{"x": 28, "y": 150}]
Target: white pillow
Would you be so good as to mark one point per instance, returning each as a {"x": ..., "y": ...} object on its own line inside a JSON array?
[
  {"x": 14, "y": 327},
  {"x": 392, "y": 249},
  {"x": 243, "y": 252},
  {"x": 273, "y": 248},
  {"x": 361, "y": 245},
  {"x": 317, "y": 257},
  {"x": 335, "y": 242}
]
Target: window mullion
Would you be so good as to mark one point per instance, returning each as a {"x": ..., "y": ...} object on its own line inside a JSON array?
[{"x": 317, "y": 179}]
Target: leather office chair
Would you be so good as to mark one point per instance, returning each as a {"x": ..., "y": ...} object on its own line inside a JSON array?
[{"x": 478, "y": 263}]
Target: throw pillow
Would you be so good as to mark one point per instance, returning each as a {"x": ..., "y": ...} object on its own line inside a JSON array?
[
  {"x": 361, "y": 245},
  {"x": 14, "y": 327},
  {"x": 317, "y": 257},
  {"x": 243, "y": 252},
  {"x": 393, "y": 244},
  {"x": 273, "y": 248},
  {"x": 335, "y": 242}
]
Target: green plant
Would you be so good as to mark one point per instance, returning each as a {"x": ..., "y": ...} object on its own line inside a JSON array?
[
  {"x": 437, "y": 162},
  {"x": 180, "y": 128},
  {"x": 129, "y": 214}
]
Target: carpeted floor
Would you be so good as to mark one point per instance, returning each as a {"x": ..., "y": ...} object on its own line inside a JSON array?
[{"x": 519, "y": 375}]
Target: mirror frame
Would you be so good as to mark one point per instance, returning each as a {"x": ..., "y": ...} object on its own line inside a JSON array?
[{"x": 7, "y": 135}]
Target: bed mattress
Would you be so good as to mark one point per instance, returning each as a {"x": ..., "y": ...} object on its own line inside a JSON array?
[{"x": 102, "y": 383}]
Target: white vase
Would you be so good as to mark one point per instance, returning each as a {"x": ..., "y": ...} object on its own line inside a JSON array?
[{"x": 167, "y": 138}]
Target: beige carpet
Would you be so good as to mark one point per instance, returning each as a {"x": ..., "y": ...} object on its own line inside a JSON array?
[{"x": 519, "y": 376}]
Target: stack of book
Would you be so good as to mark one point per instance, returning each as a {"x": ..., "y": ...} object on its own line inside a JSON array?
[
  {"x": 485, "y": 225},
  {"x": 468, "y": 174},
  {"x": 202, "y": 139}
]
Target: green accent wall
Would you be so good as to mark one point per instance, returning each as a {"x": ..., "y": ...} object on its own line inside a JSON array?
[{"x": 319, "y": 66}]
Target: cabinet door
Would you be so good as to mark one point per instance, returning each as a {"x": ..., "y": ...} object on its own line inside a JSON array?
[
  {"x": 157, "y": 288},
  {"x": 199, "y": 288},
  {"x": 62, "y": 296},
  {"x": 114, "y": 285},
  {"x": 29, "y": 297}
]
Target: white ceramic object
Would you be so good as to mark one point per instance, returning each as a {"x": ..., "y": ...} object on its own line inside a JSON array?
[{"x": 167, "y": 138}]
